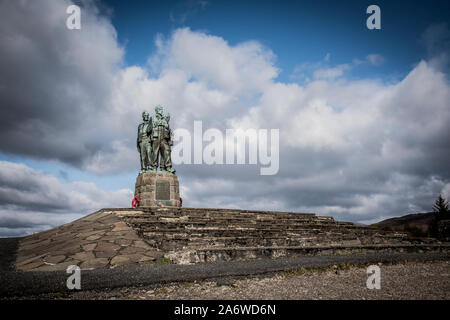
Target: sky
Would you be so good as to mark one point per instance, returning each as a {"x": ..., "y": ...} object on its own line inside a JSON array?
[{"x": 363, "y": 115}]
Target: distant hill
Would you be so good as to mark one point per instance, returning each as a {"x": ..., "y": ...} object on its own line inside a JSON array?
[
  {"x": 360, "y": 224},
  {"x": 417, "y": 224}
]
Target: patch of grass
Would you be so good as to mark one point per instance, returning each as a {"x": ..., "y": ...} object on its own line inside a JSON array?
[
  {"x": 60, "y": 295},
  {"x": 165, "y": 261},
  {"x": 297, "y": 272},
  {"x": 338, "y": 267},
  {"x": 160, "y": 291},
  {"x": 188, "y": 283}
]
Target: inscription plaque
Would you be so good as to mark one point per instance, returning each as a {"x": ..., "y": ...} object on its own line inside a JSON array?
[{"x": 162, "y": 190}]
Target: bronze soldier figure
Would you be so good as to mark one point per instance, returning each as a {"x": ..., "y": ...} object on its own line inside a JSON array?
[
  {"x": 143, "y": 142},
  {"x": 161, "y": 140}
]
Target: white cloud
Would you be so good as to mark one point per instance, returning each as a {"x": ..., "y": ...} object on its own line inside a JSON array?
[
  {"x": 331, "y": 73},
  {"x": 31, "y": 200},
  {"x": 323, "y": 69},
  {"x": 241, "y": 69},
  {"x": 55, "y": 82},
  {"x": 375, "y": 59}
]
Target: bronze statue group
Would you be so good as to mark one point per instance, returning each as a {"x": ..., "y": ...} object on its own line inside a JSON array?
[{"x": 154, "y": 142}]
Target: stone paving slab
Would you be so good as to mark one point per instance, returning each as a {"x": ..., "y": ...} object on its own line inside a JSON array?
[{"x": 99, "y": 240}]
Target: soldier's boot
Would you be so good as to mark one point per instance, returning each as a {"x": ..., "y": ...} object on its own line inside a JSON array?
[
  {"x": 167, "y": 158},
  {"x": 169, "y": 165},
  {"x": 171, "y": 170}
]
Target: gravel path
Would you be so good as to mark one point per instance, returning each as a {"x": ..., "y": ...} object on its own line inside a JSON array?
[
  {"x": 401, "y": 281},
  {"x": 20, "y": 283}
]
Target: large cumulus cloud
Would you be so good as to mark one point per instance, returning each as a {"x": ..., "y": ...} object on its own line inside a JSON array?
[
  {"x": 54, "y": 80},
  {"x": 31, "y": 200}
]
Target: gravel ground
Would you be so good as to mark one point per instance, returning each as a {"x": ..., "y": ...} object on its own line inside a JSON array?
[{"x": 430, "y": 280}]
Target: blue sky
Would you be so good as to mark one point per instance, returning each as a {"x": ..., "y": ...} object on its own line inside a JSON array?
[
  {"x": 363, "y": 114},
  {"x": 296, "y": 31}
]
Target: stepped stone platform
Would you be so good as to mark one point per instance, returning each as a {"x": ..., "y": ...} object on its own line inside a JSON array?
[{"x": 111, "y": 238}]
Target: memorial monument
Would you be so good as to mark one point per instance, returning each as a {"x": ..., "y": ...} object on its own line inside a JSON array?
[{"x": 156, "y": 188}]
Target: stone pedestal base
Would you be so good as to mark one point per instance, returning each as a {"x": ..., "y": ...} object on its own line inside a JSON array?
[{"x": 156, "y": 189}]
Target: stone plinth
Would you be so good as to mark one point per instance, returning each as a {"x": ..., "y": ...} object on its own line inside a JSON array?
[{"x": 156, "y": 189}]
